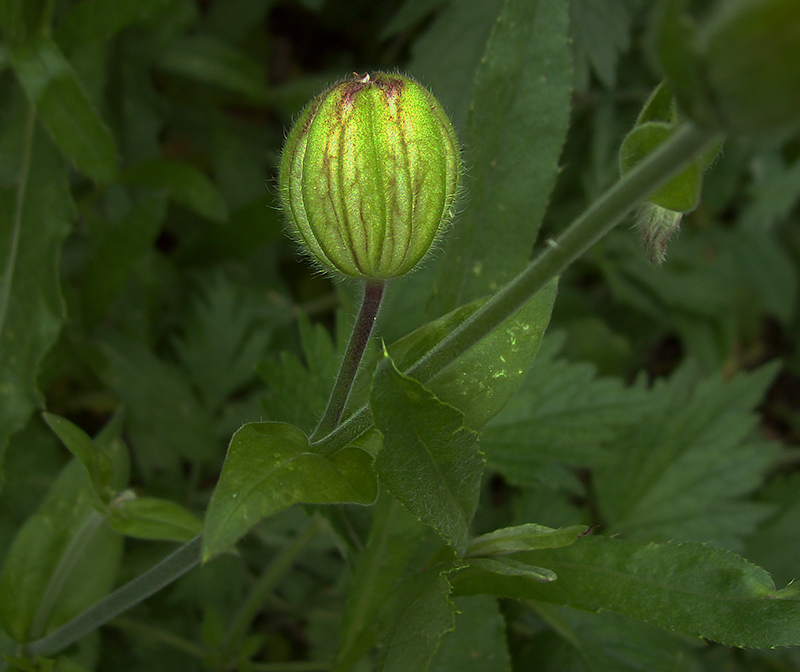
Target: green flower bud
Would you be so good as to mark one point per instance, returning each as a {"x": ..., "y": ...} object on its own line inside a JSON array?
[{"x": 369, "y": 175}]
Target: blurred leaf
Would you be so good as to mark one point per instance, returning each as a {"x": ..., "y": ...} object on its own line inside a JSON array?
[
  {"x": 394, "y": 537},
  {"x": 64, "y": 108},
  {"x": 562, "y": 413},
  {"x": 183, "y": 183},
  {"x": 411, "y": 12},
  {"x": 695, "y": 589},
  {"x": 152, "y": 518},
  {"x": 96, "y": 20},
  {"x": 299, "y": 391},
  {"x": 608, "y": 643},
  {"x": 211, "y": 61},
  {"x": 34, "y": 220},
  {"x": 521, "y": 98},
  {"x": 63, "y": 560},
  {"x": 165, "y": 420},
  {"x": 682, "y": 471},
  {"x": 227, "y": 333},
  {"x": 270, "y": 467},
  {"x": 80, "y": 444},
  {"x": 601, "y": 29},
  {"x": 478, "y": 643},
  {"x": 776, "y": 542},
  {"x": 430, "y": 461},
  {"x": 426, "y": 615},
  {"x": 122, "y": 243}
]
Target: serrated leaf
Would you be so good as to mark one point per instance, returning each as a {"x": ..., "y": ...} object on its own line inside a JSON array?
[
  {"x": 63, "y": 559},
  {"x": 34, "y": 220},
  {"x": 64, "y": 108},
  {"x": 682, "y": 192},
  {"x": 393, "y": 539},
  {"x": 563, "y": 413},
  {"x": 697, "y": 590},
  {"x": 478, "y": 643},
  {"x": 227, "y": 333},
  {"x": 80, "y": 444},
  {"x": 602, "y": 29},
  {"x": 521, "y": 97},
  {"x": 683, "y": 470},
  {"x": 430, "y": 461},
  {"x": 183, "y": 183},
  {"x": 425, "y": 617},
  {"x": 270, "y": 467},
  {"x": 300, "y": 390},
  {"x": 528, "y": 537},
  {"x": 153, "y": 518}
]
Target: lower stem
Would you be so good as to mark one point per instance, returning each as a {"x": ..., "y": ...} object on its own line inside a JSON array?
[
  {"x": 684, "y": 146},
  {"x": 362, "y": 330},
  {"x": 165, "y": 572}
]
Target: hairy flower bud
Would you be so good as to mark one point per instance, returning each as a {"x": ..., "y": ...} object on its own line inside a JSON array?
[{"x": 369, "y": 175}]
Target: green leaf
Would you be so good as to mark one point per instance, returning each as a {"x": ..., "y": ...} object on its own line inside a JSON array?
[
  {"x": 299, "y": 391},
  {"x": 682, "y": 192},
  {"x": 698, "y": 590},
  {"x": 64, "y": 108},
  {"x": 426, "y": 615},
  {"x": 606, "y": 642},
  {"x": 602, "y": 30},
  {"x": 166, "y": 421},
  {"x": 63, "y": 560},
  {"x": 430, "y": 461},
  {"x": 511, "y": 567},
  {"x": 227, "y": 333},
  {"x": 394, "y": 538},
  {"x": 683, "y": 471},
  {"x": 528, "y": 537},
  {"x": 563, "y": 413},
  {"x": 478, "y": 643},
  {"x": 121, "y": 244},
  {"x": 208, "y": 60},
  {"x": 152, "y": 518},
  {"x": 521, "y": 98},
  {"x": 80, "y": 444},
  {"x": 99, "y": 20},
  {"x": 410, "y": 13},
  {"x": 183, "y": 183},
  {"x": 34, "y": 220},
  {"x": 270, "y": 467},
  {"x": 482, "y": 381}
]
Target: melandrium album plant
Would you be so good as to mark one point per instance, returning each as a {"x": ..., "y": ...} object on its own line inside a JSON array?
[{"x": 465, "y": 491}]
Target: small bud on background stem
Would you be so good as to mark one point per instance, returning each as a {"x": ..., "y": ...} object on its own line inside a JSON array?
[{"x": 369, "y": 175}]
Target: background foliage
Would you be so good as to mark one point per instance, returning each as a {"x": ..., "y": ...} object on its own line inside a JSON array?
[{"x": 150, "y": 297}]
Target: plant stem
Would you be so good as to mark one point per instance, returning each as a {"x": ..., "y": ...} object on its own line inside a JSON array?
[
  {"x": 684, "y": 146},
  {"x": 362, "y": 330},
  {"x": 165, "y": 572},
  {"x": 266, "y": 584}
]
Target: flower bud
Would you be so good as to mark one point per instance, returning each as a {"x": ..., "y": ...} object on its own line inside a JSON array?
[{"x": 369, "y": 175}]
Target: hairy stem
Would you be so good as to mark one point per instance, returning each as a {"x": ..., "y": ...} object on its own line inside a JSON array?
[
  {"x": 683, "y": 147},
  {"x": 362, "y": 330}
]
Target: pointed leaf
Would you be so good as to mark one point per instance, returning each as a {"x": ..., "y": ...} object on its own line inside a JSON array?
[
  {"x": 520, "y": 98},
  {"x": 153, "y": 518},
  {"x": 269, "y": 467},
  {"x": 430, "y": 461},
  {"x": 695, "y": 589},
  {"x": 529, "y": 537},
  {"x": 80, "y": 444},
  {"x": 34, "y": 219},
  {"x": 64, "y": 108}
]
